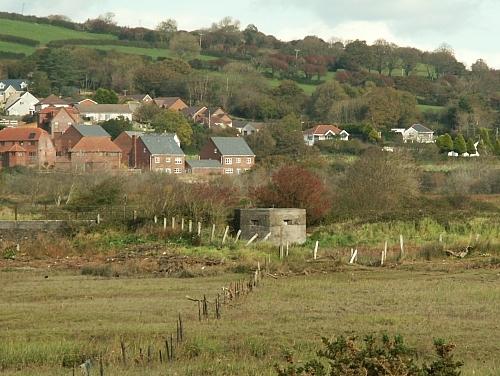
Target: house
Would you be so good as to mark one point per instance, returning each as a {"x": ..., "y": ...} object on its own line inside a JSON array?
[
  {"x": 21, "y": 104},
  {"x": 195, "y": 113},
  {"x": 170, "y": 103},
  {"x": 218, "y": 117},
  {"x": 142, "y": 98},
  {"x": 324, "y": 132},
  {"x": 52, "y": 101},
  {"x": 9, "y": 87},
  {"x": 283, "y": 225},
  {"x": 160, "y": 153},
  {"x": 246, "y": 128},
  {"x": 86, "y": 102},
  {"x": 233, "y": 153},
  {"x": 203, "y": 167},
  {"x": 87, "y": 148},
  {"x": 127, "y": 142},
  {"x": 103, "y": 112},
  {"x": 416, "y": 133},
  {"x": 56, "y": 120},
  {"x": 31, "y": 147}
]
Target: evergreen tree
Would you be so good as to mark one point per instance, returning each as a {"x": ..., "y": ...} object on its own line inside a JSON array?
[
  {"x": 471, "y": 149},
  {"x": 444, "y": 143},
  {"x": 459, "y": 144}
]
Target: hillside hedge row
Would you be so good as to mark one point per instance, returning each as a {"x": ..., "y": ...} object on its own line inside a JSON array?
[
  {"x": 104, "y": 42},
  {"x": 19, "y": 40}
]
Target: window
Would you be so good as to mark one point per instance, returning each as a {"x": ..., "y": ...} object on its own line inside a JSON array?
[
  {"x": 177, "y": 171},
  {"x": 215, "y": 151},
  {"x": 168, "y": 170},
  {"x": 167, "y": 160},
  {"x": 178, "y": 160},
  {"x": 32, "y": 143},
  {"x": 238, "y": 160},
  {"x": 21, "y": 143},
  {"x": 228, "y": 160},
  {"x": 157, "y": 159},
  {"x": 228, "y": 171},
  {"x": 249, "y": 160},
  {"x": 287, "y": 222},
  {"x": 254, "y": 222},
  {"x": 32, "y": 154}
]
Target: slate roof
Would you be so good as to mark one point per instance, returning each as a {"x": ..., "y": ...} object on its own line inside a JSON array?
[
  {"x": 193, "y": 110},
  {"x": 161, "y": 144},
  {"x": 134, "y": 133},
  {"x": 421, "y": 129},
  {"x": 91, "y": 131},
  {"x": 166, "y": 101},
  {"x": 95, "y": 145},
  {"x": 104, "y": 109},
  {"x": 232, "y": 146},
  {"x": 15, "y": 83},
  {"x": 203, "y": 163}
]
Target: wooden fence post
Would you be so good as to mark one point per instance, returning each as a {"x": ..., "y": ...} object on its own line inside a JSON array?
[
  {"x": 199, "y": 228},
  {"x": 225, "y": 235},
  {"x": 382, "y": 259},
  {"x": 15, "y": 213},
  {"x": 238, "y": 234},
  {"x": 135, "y": 215},
  {"x": 354, "y": 257},
  {"x": 173, "y": 223},
  {"x": 182, "y": 224},
  {"x": 190, "y": 226},
  {"x": 252, "y": 239},
  {"x": 401, "y": 244},
  {"x": 213, "y": 233},
  {"x": 385, "y": 251},
  {"x": 98, "y": 221},
  {"x": 124, "y": 359},
  {"x": 266, "y": 238},
  {"x": 156, "y": 219},
  {"x": 315, "y": 254}
]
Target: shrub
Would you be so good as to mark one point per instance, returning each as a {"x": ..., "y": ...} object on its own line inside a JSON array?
[
  {"x": 97, "y": 271},
  {"x": 387, "y": 356}
]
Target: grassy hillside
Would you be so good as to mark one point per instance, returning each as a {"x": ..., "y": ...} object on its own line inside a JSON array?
[
  {"x": 16, "y": 48},
  {"x": 45, "y": 33}
]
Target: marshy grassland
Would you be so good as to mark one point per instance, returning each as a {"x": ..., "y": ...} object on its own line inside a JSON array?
[{"x": 49, "y": 324}]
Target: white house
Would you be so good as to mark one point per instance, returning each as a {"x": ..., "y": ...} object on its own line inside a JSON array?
[
  {"x": 324, "y": 132},
  {"x": 21, "y": 104},
  {"x": 416, "y": 133},
  {"x": 103, "y": 112},
  {"x": 11, "y": 87},
  {"x": 246, "y": 128}
]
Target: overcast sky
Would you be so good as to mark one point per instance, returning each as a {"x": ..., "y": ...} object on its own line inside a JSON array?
[{"x": 471, "y": 27}]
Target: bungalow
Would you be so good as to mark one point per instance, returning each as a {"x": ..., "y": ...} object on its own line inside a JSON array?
[
  {"x": 233, "y": 153},
  {"x": 87, "y": 148},
  {"x": 160, "y": 153},
  {"x": 9, "y": 87},
  {"x": 102, "y": 112},
  {"x": 142, "y": 98},
  {"x": 56, "y": 120},
  {"x": 51, "y": 100},
  {"x": 170, "y": 103},
  {"x": 218, "y": 117},
  {"x": 246, "y": 128},
  {"x": 195, "y": 113},
  {"x": 30, "y": 147},
  {"x": 416, "y": 133},
  {"x": 21, "y": 104},
  {"x": 203, "y": 167},
  {"x": 324, "y": 132}
]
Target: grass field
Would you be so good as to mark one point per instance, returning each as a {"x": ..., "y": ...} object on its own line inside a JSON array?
[
  {"x": 45, "y": 33},
  {"x": 428, "y": 108},
  {"x": 48, "y": 321},
  {"x": 16, "y": 48}
]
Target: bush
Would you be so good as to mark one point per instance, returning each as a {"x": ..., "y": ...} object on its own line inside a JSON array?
[
  {"x": 387, "y": 356},
  {"x": 19, "y": 40}
]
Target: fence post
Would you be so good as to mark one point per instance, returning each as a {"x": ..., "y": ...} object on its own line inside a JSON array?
[
  {"x": 98, "y": 219},
  {"x": 165, "y": 223},
  {"x": 182, "y": 224},
  {"x": 401, "y": 244},
  {"x": 385, "y": 251},
  {"x": 252, "y": 239},
  {"x": 354, "y": 257},
  {"x": 173, "y": 223},
  {"x": 213, "y": 233},
  {"x": 238, "y": 234},
  {"x": 266, "y": 237},
  {"x": 190, "y": 226},
  {"x": 15, "y": 212},
  {"x": 135, "y": 215},
  {"x": 199, "y": 228},
  {"x": 382, "y": 259},
  {"x": 315, "y": 254},
  {"x": 225, "y": 234},
  {"x": 156, "y": 219}
]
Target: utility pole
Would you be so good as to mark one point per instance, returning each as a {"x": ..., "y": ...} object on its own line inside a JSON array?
[{"x": 296, "y": 54}]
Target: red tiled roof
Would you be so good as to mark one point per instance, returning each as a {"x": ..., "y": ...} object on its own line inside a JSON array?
[
  {"x": 95, "y": 144},
  {"x": 323, "y": 129},
  {"x": 21, "y": 134}
]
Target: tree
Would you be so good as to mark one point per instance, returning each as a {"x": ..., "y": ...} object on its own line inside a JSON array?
[
  {"x": 324, "y": 97},
  {"x": 40, "y": 84},
  {"x": 389, "y": 108},
  {"x": 444, "y": 143},
  {"x": 185, "y": 45},
  {"x": 380, "y": 53},
  {"x": 105, "y": 96},
  {"x": 116, "y": 126},
  {"x": 167, "y": 29},
  {"x": 146, "y": 112},
  {"x": 173, "y": 122},
  {"x": 471, "y": 148},
  {"x": 295, "y": 187},
  {"x": 378, "y": 183},
  {"x": 410, "y": 57},
  {"x": 459, "y": 144},
  {"x": 262, "y": 143}
]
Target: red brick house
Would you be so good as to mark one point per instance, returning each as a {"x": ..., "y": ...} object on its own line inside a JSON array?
[
  {"x": 127, "y": 142},
  {"x": 170, "y": 103},
  {"x": 87, "y": 148},
  {"x": 160, "y": 153},
  {"x": 31, "y": 147},
  {"x": 56, "y": 120},
  {"x": 233, "y": 153}
]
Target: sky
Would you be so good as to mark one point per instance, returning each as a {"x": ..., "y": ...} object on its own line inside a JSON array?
[{"x": 469, "y": 26}]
